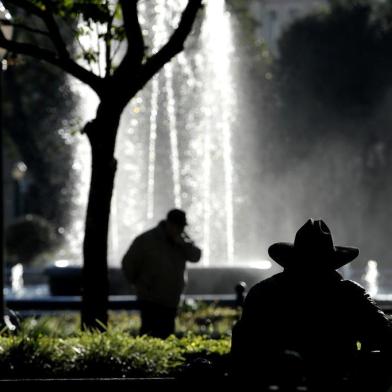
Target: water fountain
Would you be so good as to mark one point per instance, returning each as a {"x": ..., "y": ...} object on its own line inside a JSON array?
[
  {"x": 177, "y": 145},
  {"x": 174, "y": 145},
  {"x": 175, "y": 141}
]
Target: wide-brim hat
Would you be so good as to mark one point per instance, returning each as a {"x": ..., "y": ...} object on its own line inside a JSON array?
[{"x": 313, "y": 244}]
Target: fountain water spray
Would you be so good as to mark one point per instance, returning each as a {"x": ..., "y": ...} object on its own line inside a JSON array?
[{"x": 174, "y": 143}]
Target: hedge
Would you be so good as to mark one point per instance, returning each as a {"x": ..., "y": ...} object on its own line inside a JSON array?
[{"x": 55, "y": 347}]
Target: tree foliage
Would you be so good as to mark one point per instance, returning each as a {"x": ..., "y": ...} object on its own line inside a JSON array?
[
  {"x": 31, "y": 238},
  {"x": 336, "y": 62},
  {"x": 38, "y": 108},
  {"x": 332, "y": 119}
]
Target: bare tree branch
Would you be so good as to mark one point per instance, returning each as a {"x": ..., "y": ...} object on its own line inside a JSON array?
[
  {"x": 175, "y": 44},
  {"x": 46, "y": 15},
  {"x": 26, "y": 5},
  {"x": 54, "y": 30},
  {"x": 108, "y": 47},
  {"x": 133, "y": 30},
  {"x": 98, "y": 51},
  {"x": 7, "y": 22},
  {"x": 68, "y": 65}
]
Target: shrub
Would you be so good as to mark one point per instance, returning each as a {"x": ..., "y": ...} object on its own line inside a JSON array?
[
  {"x": 110, "y": 354},
  {"x": 54, "y": 346},
  {"x": 29, "y": 238}
]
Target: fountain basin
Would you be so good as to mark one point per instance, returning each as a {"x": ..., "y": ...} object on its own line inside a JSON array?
[{"x": 209, "y": 280}]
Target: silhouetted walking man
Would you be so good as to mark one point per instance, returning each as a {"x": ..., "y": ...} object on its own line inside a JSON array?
[
  {"x": 308, "y": 323},
  {"x": 155, "y": 264}
]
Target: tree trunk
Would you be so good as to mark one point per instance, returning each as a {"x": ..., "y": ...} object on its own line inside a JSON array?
[{"x": 101, "y": 133}]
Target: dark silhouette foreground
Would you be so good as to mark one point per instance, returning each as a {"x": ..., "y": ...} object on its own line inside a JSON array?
[
  {"x": 309, "y": 326},
  {"x": 155, "y": 264}
]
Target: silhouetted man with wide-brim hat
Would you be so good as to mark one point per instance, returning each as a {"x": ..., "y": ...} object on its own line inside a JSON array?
[{"x": 307, "y": 324}]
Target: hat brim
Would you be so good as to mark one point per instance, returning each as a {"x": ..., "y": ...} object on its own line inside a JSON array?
[{"x": 285, "y": 254}]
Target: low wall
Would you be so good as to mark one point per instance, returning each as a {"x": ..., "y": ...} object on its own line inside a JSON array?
[
  {"x": 132, "y": 384},
  {"x": 211, "y": 280}
]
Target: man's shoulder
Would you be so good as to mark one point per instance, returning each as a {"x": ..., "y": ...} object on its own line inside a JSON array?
[
  {"x": 267, "y": 284},
  {"x": 353, "y": 286},
  {"x": 352, "y": 283},
  {"x": 148, "y": 234}
]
